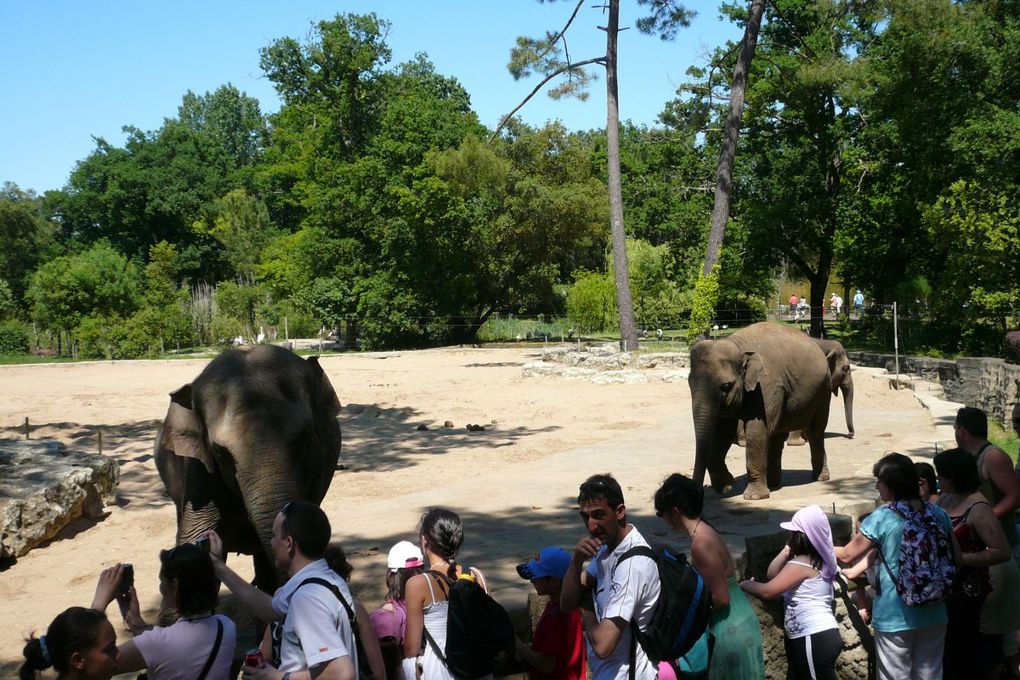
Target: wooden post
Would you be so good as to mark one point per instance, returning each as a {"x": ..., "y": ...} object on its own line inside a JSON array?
[
  {"x": 99, "y": 439},
  {"x": 26, "y": 428}
]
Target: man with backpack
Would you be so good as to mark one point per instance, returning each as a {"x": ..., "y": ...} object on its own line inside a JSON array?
[
  {"x": 311, "y": 610},
  {"x": 623, "y": 591}
]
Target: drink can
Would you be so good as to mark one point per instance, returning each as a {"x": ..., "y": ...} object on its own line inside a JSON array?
[{"x": 253, "y": 658}]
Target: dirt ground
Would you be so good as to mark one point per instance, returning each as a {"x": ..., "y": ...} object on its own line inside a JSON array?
[{"x": 513, "y": 484}]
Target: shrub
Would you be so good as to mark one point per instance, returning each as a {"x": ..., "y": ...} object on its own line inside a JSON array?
[
  {"x": 14, "y": 337},
  {"x": 591, "y": 302},
  {"x": 706, "y": 293}
]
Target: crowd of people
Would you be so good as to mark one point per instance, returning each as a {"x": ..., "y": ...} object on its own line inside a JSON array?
[{"x": 931, "y": 618}]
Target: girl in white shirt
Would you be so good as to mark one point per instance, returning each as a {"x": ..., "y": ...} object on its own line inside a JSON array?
[{"x": 802, "y": 573}]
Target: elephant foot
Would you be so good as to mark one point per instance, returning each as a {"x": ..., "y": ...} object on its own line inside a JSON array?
[
  {"x": 821, "y": 476},
  {"x": 775, "y": 483},
  {"x": 756, "y": 492},
  {"x": 722, "y": 482},
  {"x": 850, "y": 435},
  {"x": 795, "y": 440}
]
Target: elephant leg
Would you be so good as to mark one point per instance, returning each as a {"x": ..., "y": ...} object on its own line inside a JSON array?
[
  {"x": 819, "y": 463},
  {"x": 718, "y": 473},
  {"x": 756, "y": 452},
  {"x": 774, "y": 476},
  {"x": 796, "y": 438},
  {"x": 741, "y": 439},
  {"x": 266, "y": 578}
]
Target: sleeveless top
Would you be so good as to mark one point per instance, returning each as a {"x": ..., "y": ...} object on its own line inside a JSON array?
[
  {"x": 432, "y": 667},
  {"x": 809, "y": 607},
  {"x": 994, "y": 495},
  {"x": 970, "y": 581}
]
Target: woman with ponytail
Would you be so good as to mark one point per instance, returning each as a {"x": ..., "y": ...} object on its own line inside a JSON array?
[
  {"x": 80, "y": 644},
  {"x": 440, "y": 537}
]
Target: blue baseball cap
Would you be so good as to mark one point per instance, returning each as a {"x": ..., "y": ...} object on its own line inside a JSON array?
[{"x": 552, "y": 561}]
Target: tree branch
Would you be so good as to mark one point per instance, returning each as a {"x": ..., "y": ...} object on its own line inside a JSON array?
[{"x": 557, "y": 72}]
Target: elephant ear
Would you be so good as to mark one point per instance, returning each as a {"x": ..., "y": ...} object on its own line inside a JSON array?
[
  {"x": 753, "y": 371},
  {"x": 325, "y": 395},
  {"x": 831, "y": 358},
  {"x": 182, "y": 429}
]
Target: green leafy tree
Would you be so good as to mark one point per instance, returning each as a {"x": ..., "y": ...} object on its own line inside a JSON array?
[
  {"x": 240, "y": 223},
  {"x": 27, "y": 238},
  {"x": 99, "y": 283},
  {"x": 549, "y": 57}
]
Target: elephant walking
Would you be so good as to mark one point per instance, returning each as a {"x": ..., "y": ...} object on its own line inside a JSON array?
[
  {"x": 255, "y": 430},
  {"x": 770, "y": 379}
]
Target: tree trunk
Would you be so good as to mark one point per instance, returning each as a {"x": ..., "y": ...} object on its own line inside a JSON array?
[
  {"x": 731, "y": 132},
  {"x": 628, "y": 330}
]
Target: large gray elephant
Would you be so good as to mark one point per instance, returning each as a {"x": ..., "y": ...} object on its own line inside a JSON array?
[
  {"x": 771, "y": 379},
  {"x": 255, "y": 430}
]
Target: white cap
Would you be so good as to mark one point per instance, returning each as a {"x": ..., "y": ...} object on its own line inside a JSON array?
[{"x": 404, "y": 554}]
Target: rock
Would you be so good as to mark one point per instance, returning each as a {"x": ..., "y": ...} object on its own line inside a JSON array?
[
  {"x": 661, "y": 360},
  {"x": 44, "y": 487},
  {"x": 539, "y": 368},
  {"x": 422, "y": 428},
  {"x": 578, "y": 373},
  {"x": 448, "y": 424},
  {"x": 675, "y": 376},
  {"x": 627, "y": 377}
]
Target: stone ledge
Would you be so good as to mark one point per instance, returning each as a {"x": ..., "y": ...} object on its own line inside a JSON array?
[{"x": 44, "y": 487}]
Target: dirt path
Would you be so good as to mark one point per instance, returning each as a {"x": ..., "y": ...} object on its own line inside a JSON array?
[{"x": 513, "y": 484}]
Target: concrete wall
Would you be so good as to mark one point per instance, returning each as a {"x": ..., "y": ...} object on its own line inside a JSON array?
[{"x": 991, "y": 385}]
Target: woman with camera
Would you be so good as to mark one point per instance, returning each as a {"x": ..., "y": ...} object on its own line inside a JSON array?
[{"x": 200, "y": 644}]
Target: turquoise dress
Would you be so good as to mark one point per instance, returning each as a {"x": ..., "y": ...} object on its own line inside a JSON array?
[{"x": 737, "y": 654}]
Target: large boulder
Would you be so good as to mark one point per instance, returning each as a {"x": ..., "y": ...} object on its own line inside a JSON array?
[{"x": 44, "y": 487}]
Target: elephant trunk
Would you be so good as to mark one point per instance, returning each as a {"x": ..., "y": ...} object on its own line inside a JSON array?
[
  {"x": 263, "y": 500},
  {"x": 848, "y": 405},
  {"x": 713, "y": 435}
]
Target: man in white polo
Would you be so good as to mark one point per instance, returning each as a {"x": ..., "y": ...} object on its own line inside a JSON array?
[
  {"x": 621, "y": 595},
  {"x": 314, "y": 632}
]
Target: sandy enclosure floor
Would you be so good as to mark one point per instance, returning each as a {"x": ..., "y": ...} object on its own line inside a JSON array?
[{"x": 514, "y": 484}]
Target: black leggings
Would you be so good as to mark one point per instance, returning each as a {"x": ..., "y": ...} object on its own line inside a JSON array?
[{"x": 813, "y": 657}]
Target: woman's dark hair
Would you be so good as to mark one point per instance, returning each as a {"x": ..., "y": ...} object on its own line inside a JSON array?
[
  {"x": 800, "y": 544},
  {"x": 74, "y": 630},
  {"x": 678, "y": 491},
  {"x": 198, "y": 589},
  {"x": 445, "y": 533},
  {"x": 960, "y": 468},
  {"x": 396, "y": 581},
  {"x": 926, "y": 473},
  {"x": 898, "y": 473},
  {"x": 336, "y": 558}
]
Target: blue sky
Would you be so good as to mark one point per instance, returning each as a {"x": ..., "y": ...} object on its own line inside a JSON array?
[{"x": 75, "y": 69}]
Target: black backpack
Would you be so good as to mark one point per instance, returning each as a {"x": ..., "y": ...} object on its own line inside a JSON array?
[
  {"x": 683, "y": 611},
  {"x": 478, "y": 629}
]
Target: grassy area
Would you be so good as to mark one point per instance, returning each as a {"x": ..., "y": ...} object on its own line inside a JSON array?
[
  {"x": 1005, "y": 440},
  {"x": 15, "y": 359}
]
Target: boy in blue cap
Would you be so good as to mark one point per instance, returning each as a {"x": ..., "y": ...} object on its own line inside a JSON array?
[{"x": 556, "y": 650}]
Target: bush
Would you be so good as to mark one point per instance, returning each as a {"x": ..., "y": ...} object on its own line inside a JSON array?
[
  {"x": 591, "y": 302},
  {"x": 14, "y": 337},
  {"x": 1012, "y": 341},
  {"x": 706, "y": 293}
]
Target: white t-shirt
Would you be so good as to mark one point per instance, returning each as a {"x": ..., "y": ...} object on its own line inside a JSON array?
[
  {"x": 180, "y": 651},
  {"x": 630, "y": 593},
  {"x": 317, "y": 628}
]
